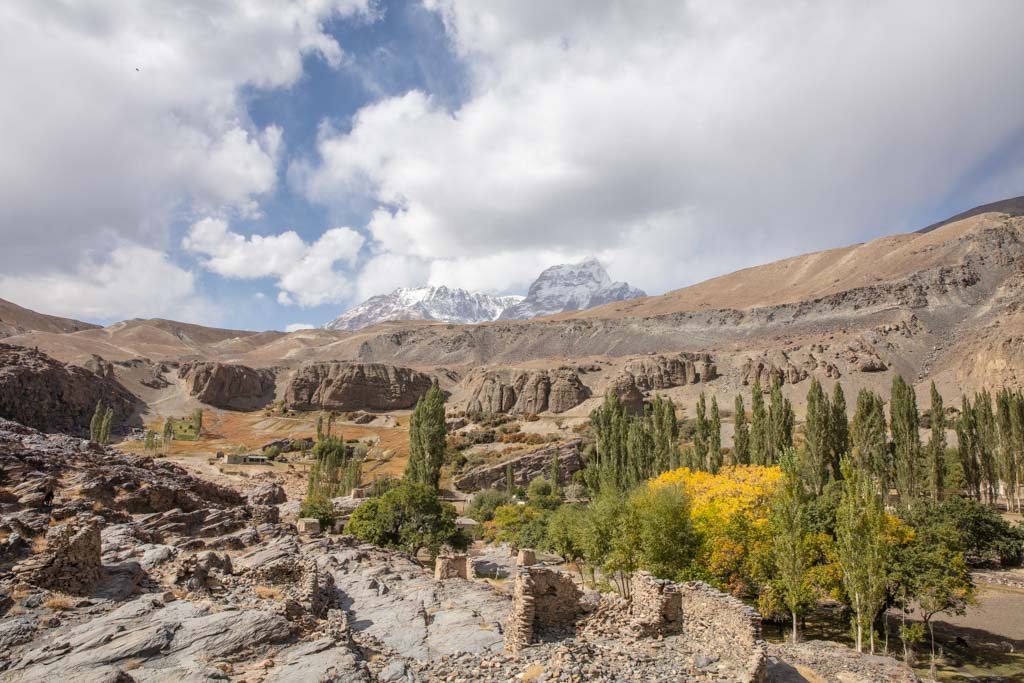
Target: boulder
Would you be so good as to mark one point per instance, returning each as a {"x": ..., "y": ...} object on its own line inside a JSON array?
[
  {"x": 268, "y": 494},
  {"x": 624, "y": 387},
  {"x": 226, "y": 385},
  {"x": 351, "y": 386}
]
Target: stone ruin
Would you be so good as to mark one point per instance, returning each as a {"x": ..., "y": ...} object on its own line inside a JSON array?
[
  {"x": 547, "y": 603},
  {"x": 453, "y": 567},
  {"x": 526, "y": 558},
  {"x": 71, "y": 562}
]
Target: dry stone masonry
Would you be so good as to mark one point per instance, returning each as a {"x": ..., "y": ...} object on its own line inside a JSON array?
[
  {"x": 453, "y": 567},
  {"x": 71, "y": 562},
  {"x": 545, "y": 602}
]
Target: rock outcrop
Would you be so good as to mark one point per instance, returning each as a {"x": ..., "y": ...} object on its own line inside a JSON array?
[
  {"x": 624, "y": 387},
  {"x": 40, "y": 392},
  {"x": 665, "y": 372},
  {"x": 767, "y": 372},
  {"x": 352, "y": 386},
  {"x": 525, "y": 467},
  {"x": 525, "y": 391},
  {"x": 226, "y": 385}
]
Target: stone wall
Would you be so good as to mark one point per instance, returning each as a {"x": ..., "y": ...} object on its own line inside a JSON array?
[
  {"x": 545, "y": 602},
  {"x": 452, "y": 567},
  {"x": 71, "y": 561},
  {"x": 723, "y": 623},
  {"x": 657, "y": 606}
]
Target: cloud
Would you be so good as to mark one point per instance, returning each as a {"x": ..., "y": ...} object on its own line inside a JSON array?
[
  {"x": 121, "y": 118},
  {"x": 296, "y": 327},
  {"x": 679, "y": 140},
  {"x": 306, "y": 273},
  {"x": 133, "y": 282}
]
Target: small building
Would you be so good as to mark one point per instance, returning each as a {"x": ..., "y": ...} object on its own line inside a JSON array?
[
  {"x": 467, "y": 523},
  {"x": 251, "y": 459}
]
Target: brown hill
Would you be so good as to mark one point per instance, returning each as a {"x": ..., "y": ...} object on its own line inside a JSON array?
[{"x": 17, "y": 320}]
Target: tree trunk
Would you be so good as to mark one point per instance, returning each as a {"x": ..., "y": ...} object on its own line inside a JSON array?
[
  {"x": 931, "y": 632},
  {"x": 794, "y": 628}
]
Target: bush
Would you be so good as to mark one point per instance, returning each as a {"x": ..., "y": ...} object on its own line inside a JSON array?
[
  {"x": 521, "y": 526},
  {"x": 410, "y": 517},
  {"x": 485, "y": 503},
  {"x": 541, "y": 494},
  {"x": 319, "y": 508}
]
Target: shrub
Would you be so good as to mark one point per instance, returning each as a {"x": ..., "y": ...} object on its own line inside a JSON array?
[
  {"x": 485, "y": 503},
  {"x": 410, "y": 517},
  {"x": 318, "y": 507}
]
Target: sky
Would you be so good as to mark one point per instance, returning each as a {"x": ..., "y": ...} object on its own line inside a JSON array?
[{"x": 266, "y": 164}]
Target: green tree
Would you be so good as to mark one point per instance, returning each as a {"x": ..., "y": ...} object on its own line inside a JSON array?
[
  {"x": 871, "y": 453},
  {"x": 96, "y": 424},
  {"x": 667, "y": 540},
  {"x": 410, "y": 517},
  {"x": 839, "y": 429},
  {"x": 427, "y": 434},
  {"x": 541, "y": 494},
  {"x": 510, "y": 480},
  {"x": 168, "y": 433},
  {"x": 484, "y": 503},
  {"x": 780, "y": 423},
  {"x": 817, "y": 449},
  {"x": 608, "y": 466},
  {"x": 701, "y": 434},
  {"x": 789, "y": 534},
  {"x": 967, "y": 448},
  {"x": 758, "y": 426},
  {"x": 937, "y": 446},
  {"x": 105, "y": 425},
  {"x": 986, "y": 444},
  {"x": 197, "y": 421},
  {"x": 563, "y": 534},
  {"x": 906, "y": 441},
  {"x": 665, "y": 430},
  {"x": 320, "y": 427},
  {"x": 861, "y": 550},
  {"x": 741, "y": 438},
  {"x": 714, "y": 438}
]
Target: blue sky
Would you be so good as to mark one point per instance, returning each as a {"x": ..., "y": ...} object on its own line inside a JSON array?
[{"x": 259, "y": 164}]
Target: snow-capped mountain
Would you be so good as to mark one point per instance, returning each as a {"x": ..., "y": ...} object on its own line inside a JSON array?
[
  {"x": 570, "y": 287},
  {"x": 445, "y": 304},
  {"x": 567, "y": 287}
]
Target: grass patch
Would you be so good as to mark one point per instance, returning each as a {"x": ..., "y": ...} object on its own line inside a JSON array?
[
  {"x": 268, "y": 592},
  {"x": 58, "y": 603}
]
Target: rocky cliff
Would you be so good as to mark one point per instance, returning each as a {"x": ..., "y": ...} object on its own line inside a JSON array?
[
  {"x": 511, "y": 390},
  {"x": 526, "y": 467},
  {"x": 351, "y": 386},
  {"x": 41, "y": 392},
  {"x": 226, "y": 385},
  {"x": 665, "y": 372}
]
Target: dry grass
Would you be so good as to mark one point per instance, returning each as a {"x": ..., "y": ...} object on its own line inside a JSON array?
[
  {"x": 532, "y": 672},
  {"x": 4, "y": 534},
  {"x": 38, "y": 544},
  {"x": 131, "y": 664},
  {"x": 268, "y": 592},
  {"x": 58, "y": 602}
]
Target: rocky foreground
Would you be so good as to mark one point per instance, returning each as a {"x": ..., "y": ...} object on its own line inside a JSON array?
[{"x": 115, "y": 567}]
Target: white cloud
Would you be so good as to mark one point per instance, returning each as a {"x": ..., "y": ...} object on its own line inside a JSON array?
[
  {"x": 306, "y": 273},
  {"x": 296, "y": 327},
  {"x": 677, "y": 140},
  {"x": 133, "y": 282},
  {"x": 120, "y": 117}
]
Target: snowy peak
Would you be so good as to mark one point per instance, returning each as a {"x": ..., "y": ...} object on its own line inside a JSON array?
[
  {"x": 566, "y": 287},
  {"x": 571, "y": 287},
  {"x": 446, "y": 304}
]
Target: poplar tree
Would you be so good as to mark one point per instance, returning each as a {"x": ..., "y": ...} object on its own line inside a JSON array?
[
  {"x": 817, "y": 450},
  {"x": 861, "y": 550},
  {"x": 700, "y": 437},
  {"x": 197, "y": 421},
  {"x": 780, "y": 423},
  {"x": 906, "y": 440},
  {"x": 168, "y": 433},
  {"x": 741, "y": 438},
  {"x": 715, "y": 439},
  {"x": 839, "y": 430},
  {"x": 967, "y": 448},
  {"x": 758, "y": 426},
  {"x": 606, "y": 468},
  {"x": 320, "y": 427},
  {"x": 789, "y": 534},
  {"x": 96, "y": 424},
  {"x": 105, "y": 425},
  {"x": 870, "y": 442},
  {"x": 427, "y": 434},
  {"x": 937, "y": 446},
  {"x": 665, "y": 429},
  {"x": 985, "y": 440}
]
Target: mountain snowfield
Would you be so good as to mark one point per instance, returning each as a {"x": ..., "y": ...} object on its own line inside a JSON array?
[{"x": 566, "y": 287}]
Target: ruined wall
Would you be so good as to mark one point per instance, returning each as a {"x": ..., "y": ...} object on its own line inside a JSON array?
[
  {"x": 656, "y": 608},
  {"x": 71, "y": 561},
  {"x": 545, "y": 602},
  {"x": 723, "y": 624},
  {"x": 452, "y": 567}
]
